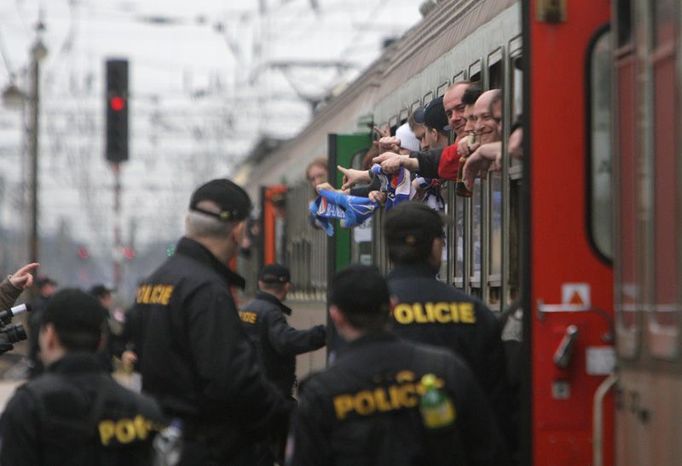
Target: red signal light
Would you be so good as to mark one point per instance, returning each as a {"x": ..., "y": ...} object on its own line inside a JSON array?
[
  {"x": 83, "y": 253},
  {"x": 128, "y": 253},
  {"x": 117, "y": 103}
]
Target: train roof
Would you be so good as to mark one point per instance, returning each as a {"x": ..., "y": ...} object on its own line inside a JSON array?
[{"x": 433, "y": 37}]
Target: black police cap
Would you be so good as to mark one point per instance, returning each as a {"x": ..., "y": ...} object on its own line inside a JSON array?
[
  {"x": 101, "y": 290},
  {"x": 412, "y": 223},
  {"x": 231, "y": 199},
  {"x": 274, "y": 273},
  {"x": 42, "y": 281},
  {"x": 360, "y": 289},
  {"x": 73, "y": 310}
]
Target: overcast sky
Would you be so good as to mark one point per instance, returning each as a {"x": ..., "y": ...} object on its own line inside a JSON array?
[{"x": 206, "y": 81}]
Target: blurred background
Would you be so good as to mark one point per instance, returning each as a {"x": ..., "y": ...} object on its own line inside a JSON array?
[{"x": 208, "y": 81}]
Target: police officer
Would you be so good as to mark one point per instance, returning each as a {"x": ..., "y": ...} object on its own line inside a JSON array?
[
  {"x": 195, "y": 358},
  {"x": 367, "y": 408},
  {"x": 265, "y": 322},
  {"x": 430, "y": 311},
  {"x": 75, "y": 413}
]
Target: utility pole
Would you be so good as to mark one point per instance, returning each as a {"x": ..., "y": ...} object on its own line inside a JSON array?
[
  {"x": 14, "y": 97},
  {"x": 118, "y": 244},
  {"x": 38, "y": 52}
]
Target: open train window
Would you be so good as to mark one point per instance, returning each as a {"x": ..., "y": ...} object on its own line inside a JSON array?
[
  {"x": 600, "y": 197},
  {"x": 428, "y": 97},
  {"x": 440, "y": 90},
  {"x": 495, "y": 69},
  {"x": 361, "y": 244},
  {"x": 494, "y": 199},
  {"x": 402, "y": 116},
  {"x": 393, "y": 123},
  {"x": 624, "y": 22},
  {"x": 475, "y": 72},
  {"x": 513, "y": 224}
]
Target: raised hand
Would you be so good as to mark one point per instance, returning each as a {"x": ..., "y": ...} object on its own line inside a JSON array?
[
  {"x": 480, "y": 162},
  {"x": 352, "y": 176},
  {"x": 22, "y": 278}
]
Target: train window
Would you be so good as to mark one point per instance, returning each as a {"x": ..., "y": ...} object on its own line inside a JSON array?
[
  {"x": 306, "y": 247},
  {"x": 476, "y": 236},
  {"x": 402, "y": 117},
  {"x": 428, "y": 97},
  {"x": 663, "y": 15},
  {"x": 459, "y": 241},
  {"x": 629, "y": 295},
  {"x": 361, "y": 246},
  {"x": 415, "y": 105},
  {"x": 513, "y": 207},
  {"x": 495, "y": 71},
  {"x": 495, "y": 239},
  {"x": 393, "y": 123},
  {"x": 493, "y": 217},
  {"x": 664, "y": 326},
  {"x": 624, "y": 24},
  {"x": 459, "y": 77},
  {"x": 517, "y": 87},
  {"x": 440, "y": 90},
  {"x": 475, "y": 71},
  {"x": 600, "y": 197}
]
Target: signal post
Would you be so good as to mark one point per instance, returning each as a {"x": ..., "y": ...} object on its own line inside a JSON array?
[{"x": 116, "y": 147}]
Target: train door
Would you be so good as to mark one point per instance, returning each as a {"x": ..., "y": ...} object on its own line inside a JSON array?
[
  {"x": 649, "y": 247},
  {"x": 568, "y": 276},
  {"x": 266, "y": 238},
  {"x": 273, "y": 211},
  {"x": 347, "y": 245}
]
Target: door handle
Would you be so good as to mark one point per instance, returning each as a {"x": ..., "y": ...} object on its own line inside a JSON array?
[{"x": 564, "y": 352}]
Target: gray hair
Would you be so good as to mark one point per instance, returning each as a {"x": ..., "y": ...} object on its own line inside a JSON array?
[{"x": 198, "y": 225}]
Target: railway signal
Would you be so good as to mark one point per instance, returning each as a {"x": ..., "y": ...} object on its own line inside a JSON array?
[{"x": 117, "y": 110}]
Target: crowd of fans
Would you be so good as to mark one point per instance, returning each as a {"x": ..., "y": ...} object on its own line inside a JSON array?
[{"x": 420, "y": 152}]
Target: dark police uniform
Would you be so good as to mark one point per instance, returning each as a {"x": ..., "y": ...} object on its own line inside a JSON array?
[
  {"x": 265, "y": 322},
  {"x": 430, "y": 311},
  {"x": 76, "y": 414},
  {"x": 197, "y": 361},
  {"x": 364, "y": 410}
]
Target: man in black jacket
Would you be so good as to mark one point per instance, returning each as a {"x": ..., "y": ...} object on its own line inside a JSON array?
[
  {"x": 430, "y": 311},
  {"x": 264, "y": 319},
  {"x": 195, "y": 358},
  {"x": 75, "y": 413},
  {"x": 369, "y": 408}
]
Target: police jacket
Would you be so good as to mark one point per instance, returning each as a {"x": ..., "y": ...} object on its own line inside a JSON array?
[
  {"x": 264, "y": 319},
  {"x": 8, "y": 294},
  {"x": 430, "y": 311},
  {"x": 196, "y": 359},
  {"x": 364, "y": 410},
  {"x": 76, "y": 414}
]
